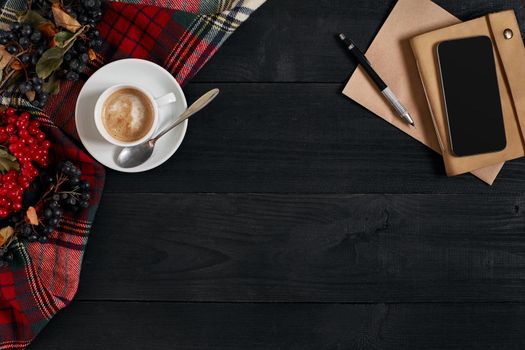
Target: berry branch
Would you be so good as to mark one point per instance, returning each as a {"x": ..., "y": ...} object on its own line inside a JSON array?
[{"x": 52, "y": 41}]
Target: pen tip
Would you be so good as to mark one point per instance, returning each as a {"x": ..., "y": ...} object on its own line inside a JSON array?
[{"x": 342, "y": 36}]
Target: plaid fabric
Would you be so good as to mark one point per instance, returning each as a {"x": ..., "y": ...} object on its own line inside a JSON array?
[
  {"x": 180, "y": 41},
  {"x": 44, "y": 277},
  {"x": 180, "y": 35}
]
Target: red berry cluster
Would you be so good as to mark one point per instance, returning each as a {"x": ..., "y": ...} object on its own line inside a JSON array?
[{"x": 28, "y": 144}]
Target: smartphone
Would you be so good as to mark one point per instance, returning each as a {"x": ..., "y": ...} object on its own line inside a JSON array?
[{"x": 471, "y": 95}]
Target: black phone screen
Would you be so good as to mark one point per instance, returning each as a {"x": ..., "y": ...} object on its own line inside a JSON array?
[{"x": 472, "y": 100}]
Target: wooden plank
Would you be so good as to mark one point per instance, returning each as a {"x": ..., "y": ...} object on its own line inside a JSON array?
[
  {"x": 111, "y": 325},
  {"x": 300, "y": 138},
  {"x": 307, "y": 248},
  {"x": 294, "y": 40}
]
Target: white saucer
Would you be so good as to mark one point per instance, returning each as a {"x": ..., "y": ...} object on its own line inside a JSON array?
[{"x": 158, "y": 82}]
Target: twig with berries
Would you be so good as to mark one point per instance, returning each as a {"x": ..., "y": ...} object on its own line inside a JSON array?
[
  {"x": 63, "y": 191},
  {"x": 24, "y": 149},
  {"x": 51, "y": 41},
  {"x": 33, "y": 196}
]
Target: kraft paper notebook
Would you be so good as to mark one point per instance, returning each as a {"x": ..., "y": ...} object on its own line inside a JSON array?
[
  {"x": 392, "y": 57},
  {"x": 509, "y": 56}
]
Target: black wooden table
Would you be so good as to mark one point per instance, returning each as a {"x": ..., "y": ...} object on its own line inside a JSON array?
[{"x": 292, "y": 218}]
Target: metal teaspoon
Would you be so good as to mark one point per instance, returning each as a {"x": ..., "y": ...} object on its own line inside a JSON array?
[{"x": 133, "y": 156}]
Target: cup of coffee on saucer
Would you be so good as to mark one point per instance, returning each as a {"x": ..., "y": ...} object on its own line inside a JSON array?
[
  {"x": 127, "y": 114},
  {"x": 150, "y": 80}
]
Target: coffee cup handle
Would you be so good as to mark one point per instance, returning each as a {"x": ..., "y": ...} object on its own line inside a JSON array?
[{"x": 166, "y": 99}]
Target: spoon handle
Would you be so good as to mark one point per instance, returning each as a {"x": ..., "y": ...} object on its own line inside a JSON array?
[{"x": 194, "y": 108}]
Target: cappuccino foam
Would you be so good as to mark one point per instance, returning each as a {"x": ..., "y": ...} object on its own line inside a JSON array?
[{"x": 127, "y": 115}]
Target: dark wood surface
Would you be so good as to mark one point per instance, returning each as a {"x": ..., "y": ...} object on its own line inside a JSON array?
[{"x": 291, "y": 218}]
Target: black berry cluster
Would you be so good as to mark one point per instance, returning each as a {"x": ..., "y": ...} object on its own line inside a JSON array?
[
  {"x": 75, "y": 193},
  {"x": 53, "y": 48},
  {"x": 65, "y": 192},
  {"x": 26, "y": 44},
  {"x": 77, "y": 57},
  {"x": 86, "y": 12},
  {"x": 6, "y": 256}
]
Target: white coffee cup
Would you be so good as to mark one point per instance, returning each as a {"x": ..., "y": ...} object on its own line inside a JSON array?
[{"x": 156, "y": 103}]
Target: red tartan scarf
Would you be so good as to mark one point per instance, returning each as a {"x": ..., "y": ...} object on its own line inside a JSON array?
[{"x": 181, "y": 36}]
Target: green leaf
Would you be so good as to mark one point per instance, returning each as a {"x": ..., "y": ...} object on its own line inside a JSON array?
[
  {"x": 69, "y": 41},
  {"x": 8, "y": 161},
  {"x": 49, "y": 62},
  {"x": 52, "y": 58},
  {"x": 32, "y": 17},
  {"x": 6, "y": 165},
  {"x": 6, "y": 155},
  {"x": 62, "y": 38},
  {"x": 52, "y": 86}
]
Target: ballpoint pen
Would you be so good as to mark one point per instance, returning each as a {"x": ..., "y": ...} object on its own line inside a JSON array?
[{"x": 381, "y": 85}]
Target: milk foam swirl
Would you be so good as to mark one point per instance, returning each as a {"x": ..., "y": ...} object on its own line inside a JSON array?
[{"x": 127, "y": 114}]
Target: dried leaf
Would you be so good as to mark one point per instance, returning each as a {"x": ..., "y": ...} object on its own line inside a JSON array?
[
  {"x": 5, "y": 57},
  {"x": 51, "y": 59},
  {"x": 52, "y": 85},
  {"x": 17, "y": 65},
  {"x": 92, "y": 54},
  {"x": 64, "y": 19},
  {"x": 31, "y": 95},
  {"x": 5, "y": 234},
  {"x": 32, "y": 217},
  {"x": 48, "y": 29}
]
